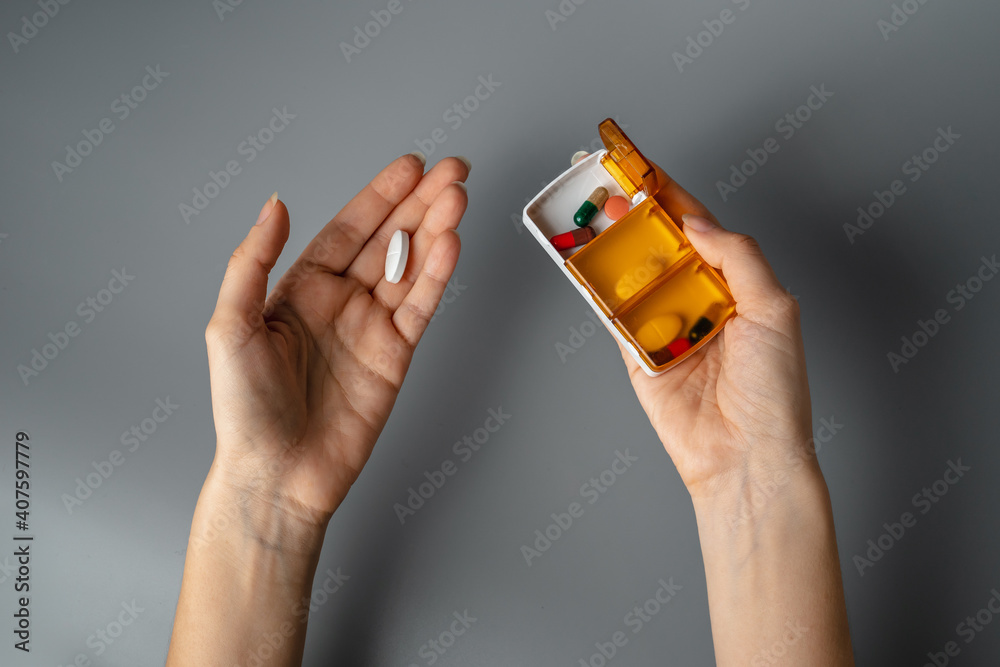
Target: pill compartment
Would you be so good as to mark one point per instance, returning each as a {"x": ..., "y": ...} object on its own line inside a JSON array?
[
  {"x": 622, "y": 261},
  {"x": 640, "y": 274},
  {"x": 552, "y": 211},
  {"x": 687, "y": 293}
]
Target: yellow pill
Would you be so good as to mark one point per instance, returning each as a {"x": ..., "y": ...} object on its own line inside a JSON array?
[
  {"x": 659, "y": 332},
  {"x": 625, "y": 288},
  {"x": 636, "y": 279}
]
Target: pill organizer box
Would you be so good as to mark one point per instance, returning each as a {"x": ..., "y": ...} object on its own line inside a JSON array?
[{"x": 640, "y": 274}]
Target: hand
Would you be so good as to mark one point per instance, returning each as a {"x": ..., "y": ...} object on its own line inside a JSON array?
[
  {"x": 741, "y": 403},
  {"x": 303, "y": 383}
]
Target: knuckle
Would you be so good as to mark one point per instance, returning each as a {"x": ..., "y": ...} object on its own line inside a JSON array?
[
  {"x": 745, "y": 243},
  {"x": 237, "y": 255},
  {"x": 213, "y": 330},
  {"x": 419, "y": 313},
  {"x": 786, "y": 307}
]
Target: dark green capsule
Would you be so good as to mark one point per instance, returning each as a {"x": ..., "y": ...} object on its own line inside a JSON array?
[
  {"x": 589, "y": 208},
  {"x": 701, "y": 328},
  {"x": 585, "y": 214}
]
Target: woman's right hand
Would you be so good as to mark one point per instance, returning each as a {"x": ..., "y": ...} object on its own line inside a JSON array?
[
  {"x": 736, "y": 420},
  {"x": 740, "y": 405}
]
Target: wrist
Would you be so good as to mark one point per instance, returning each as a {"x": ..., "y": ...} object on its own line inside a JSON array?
[
  {"x": 757, "y": 498},
  {"x": 239, "y": 518},
  {"x": 254, "y": 559}
]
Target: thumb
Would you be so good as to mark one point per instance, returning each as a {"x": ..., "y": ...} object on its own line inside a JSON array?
[
  {"x": 759, "y": 295},
  {"x": 244, "y": 288}
]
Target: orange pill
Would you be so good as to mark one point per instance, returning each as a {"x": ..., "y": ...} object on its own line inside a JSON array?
[{"x": 616, "y": 207}]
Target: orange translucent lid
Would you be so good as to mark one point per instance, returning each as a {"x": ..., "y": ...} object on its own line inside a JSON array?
[{"x": 625, "y": 163}]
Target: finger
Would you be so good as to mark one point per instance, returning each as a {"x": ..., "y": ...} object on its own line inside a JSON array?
[
  {"x": 368, "y": 267},
  {"x": 241, "y": 297},
  {"x": 677, "y": 201},
  {"x": 417, "y": 308},
  {"x": 630, "y": 363},
  {"x": 759, "y": 295},
  {"x": 443, "y": 215},
  {"x": 340, "y": 241}
]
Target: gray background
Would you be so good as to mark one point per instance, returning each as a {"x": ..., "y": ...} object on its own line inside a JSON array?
[{"x": 495, "y": 344}]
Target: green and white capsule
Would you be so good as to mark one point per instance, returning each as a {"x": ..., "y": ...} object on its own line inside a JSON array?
[{"x": 589, "y": 208}]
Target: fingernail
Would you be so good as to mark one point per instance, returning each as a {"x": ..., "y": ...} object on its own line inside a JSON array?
[
  {"x": 697, "y": 222},
  {"x": 465, "y": 161},
  {"x": 420, "y": 156},
  {"x": 268, "y": 207},
  {"x": 461, "y": 185}
]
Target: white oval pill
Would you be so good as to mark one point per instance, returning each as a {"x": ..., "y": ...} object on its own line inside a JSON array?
[
  {"x": 577, "y": 156},
  {"x": 395, "y": 257}
]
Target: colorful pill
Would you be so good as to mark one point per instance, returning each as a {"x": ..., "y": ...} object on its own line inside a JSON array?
[
  {"x": 659, "y": 332},
  {"x": 635, "y": 280},
  {"x": 701, "y": 328},
  {"x": 616, "y": 207},
  {"x": 589, "y": 208},
  {"x": 577, "y": 156},
  {"x": 705, "y": 323},
  {"x": 573, "y": 238},
  {"x": 670, "y": 352},
  {"x": 679, "y": 347}
]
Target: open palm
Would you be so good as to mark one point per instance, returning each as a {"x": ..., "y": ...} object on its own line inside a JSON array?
[
  {"x": 746, "y": 390},
  {"x": 303, "y": 383}
]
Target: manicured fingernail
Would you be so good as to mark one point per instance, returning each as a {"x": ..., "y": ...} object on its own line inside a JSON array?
[
  {"x": 267, "y": 208},
  {"x": 465, "y": 161},
  {"x": 420, "y": 156},
  {"x": 697, "y": 223},
  {"x": 461, "y": 185}
]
